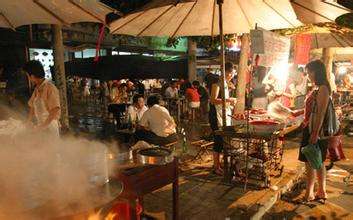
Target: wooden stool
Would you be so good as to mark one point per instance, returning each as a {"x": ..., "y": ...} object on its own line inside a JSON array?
[{"x": 203, "y": 146}]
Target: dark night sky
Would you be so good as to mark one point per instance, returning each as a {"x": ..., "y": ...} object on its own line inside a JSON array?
[{"x": 124, "y": 6}]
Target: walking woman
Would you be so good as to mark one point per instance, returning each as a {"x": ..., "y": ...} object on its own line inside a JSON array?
[
  {"x": 311, "y": 131},
  {"x": 215, "y": 114}
]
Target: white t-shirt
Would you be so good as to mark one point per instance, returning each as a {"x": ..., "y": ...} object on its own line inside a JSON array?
[
  {"x": 158, "y": 120},
  {"x": 133, "y": 112},
  {"x": 171, "y": 93}
]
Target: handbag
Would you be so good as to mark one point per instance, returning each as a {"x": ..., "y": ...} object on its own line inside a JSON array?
[
  {"x": 335, "y": 151},
  {"x": 312, "y": 153},
  {"x": 330, "y": 125}
]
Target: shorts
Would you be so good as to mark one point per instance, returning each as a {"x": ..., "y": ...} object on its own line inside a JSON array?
[
  {"x": 323, "y": 144},
  {"x": 194, "y": 104},
  {"x": 218, "y": 139}
]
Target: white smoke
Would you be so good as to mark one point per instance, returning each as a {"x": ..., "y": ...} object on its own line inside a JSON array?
[{"x": 50, "y": 175}]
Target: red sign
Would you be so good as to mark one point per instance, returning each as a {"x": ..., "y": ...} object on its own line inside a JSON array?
[{"x": 302, "y": 46}]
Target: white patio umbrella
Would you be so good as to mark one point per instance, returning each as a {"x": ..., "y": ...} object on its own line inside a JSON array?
[
  {"x": 15, "y": 13},
  {"x": 206, "y": 17},
  {"x": 201, "y": 17},
  {"x": 326, "y": 40},
  {"x": 317, "y": 11}
]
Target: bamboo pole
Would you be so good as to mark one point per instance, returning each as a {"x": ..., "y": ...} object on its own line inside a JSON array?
[
  {"x": 242, "y": 72},
  {"x": 327, "y": 57},
  {"x": 59, "y": 69},
  {"x": 192, "y": 47}
]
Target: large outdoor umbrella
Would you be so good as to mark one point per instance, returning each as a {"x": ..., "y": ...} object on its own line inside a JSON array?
[
  {"x": 201, "y": 17},
  {"x": 326, "y": 40},
  {"x": 14, "y": 13},
  {"x": 316, "y": 11},
  {"x": 206, "y": 17}
]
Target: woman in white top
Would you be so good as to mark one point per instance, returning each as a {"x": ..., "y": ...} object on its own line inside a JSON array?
[{"x": 215, "y": 114}]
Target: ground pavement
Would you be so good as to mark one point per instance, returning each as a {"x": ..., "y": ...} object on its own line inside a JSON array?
[
  {"x": 340, "y": 195},
  {"x": 204, "y": 196}
]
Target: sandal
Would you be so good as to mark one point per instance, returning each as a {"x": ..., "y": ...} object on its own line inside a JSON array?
[
  {"x": 321, "y": 200},
  {"x": 303, "y": 201}
]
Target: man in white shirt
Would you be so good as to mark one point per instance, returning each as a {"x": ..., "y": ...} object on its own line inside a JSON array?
[
  {"x": 156, "y": 125},
  {"x": 172, "y": 91},
  {"x": 137, "y": 109}
]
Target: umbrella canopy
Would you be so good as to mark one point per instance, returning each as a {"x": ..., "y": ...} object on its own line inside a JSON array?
[
  {"x": 14, "y": 13},
  {"x": 316, "y": 11},
  {"x": 326, "y": 40},
  {"x": 201, "y": 18}
]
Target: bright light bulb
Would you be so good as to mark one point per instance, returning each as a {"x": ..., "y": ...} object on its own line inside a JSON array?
[{"x": 280, "y": 73}]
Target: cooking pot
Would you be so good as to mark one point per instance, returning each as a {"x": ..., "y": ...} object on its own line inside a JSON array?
[{"x": 155, "y": 156}]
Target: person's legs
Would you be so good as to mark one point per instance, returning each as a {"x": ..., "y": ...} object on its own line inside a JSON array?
[
  {"x": 321, "y": 173},
  {"x": 148, "y": 136},
  {"x": 217, "y": 149},
  {"x": 310, "y": 182},
  {"x": 218, "y": 140},
  {"x": 152, "y": 138},
  {"x": 321, "y": 176}
]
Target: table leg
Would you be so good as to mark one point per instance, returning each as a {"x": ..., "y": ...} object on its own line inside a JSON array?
[
  {"x": 133, "y": 205},
  {"x": 176, "y": 191}
]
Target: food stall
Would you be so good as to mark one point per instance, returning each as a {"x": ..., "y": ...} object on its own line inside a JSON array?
[
  {"x": 254, "y": 143},
  {"x": 254, "y": 146}
]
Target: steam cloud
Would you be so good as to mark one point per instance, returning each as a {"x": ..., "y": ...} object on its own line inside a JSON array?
[{"x": 44, "y": 177}]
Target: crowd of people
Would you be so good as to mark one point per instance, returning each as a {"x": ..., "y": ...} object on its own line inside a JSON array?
[{"x": 154, "y": 123}]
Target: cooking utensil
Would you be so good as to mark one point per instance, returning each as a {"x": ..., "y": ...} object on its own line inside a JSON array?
[
  {"x": 155, "y": 156},
  {"x": 123, "y": 158},
  {"x": 265, "y": 126}
]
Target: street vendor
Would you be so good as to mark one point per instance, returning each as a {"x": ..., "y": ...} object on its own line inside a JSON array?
[
  {"x": 215, "y": 114},
  {"x": 44, "y": 104},
  {"x": 260, "y": 89}
]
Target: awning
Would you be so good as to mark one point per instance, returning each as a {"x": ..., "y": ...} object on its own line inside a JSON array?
[{"x": 129, "y": 66}]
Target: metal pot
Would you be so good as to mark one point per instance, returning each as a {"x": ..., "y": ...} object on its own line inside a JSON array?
[
  {"x": 155, "y": 156},
  {"x": 123, "y": 158}
]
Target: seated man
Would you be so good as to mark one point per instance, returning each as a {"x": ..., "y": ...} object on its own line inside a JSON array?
[
  {"x": 137, "y": 109},
  {"x": 172, "y": 90},
  {"x": 156, "y": 125}
]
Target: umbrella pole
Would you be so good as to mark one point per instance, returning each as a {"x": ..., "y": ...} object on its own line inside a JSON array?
[{"x": 222, "y": 59}]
